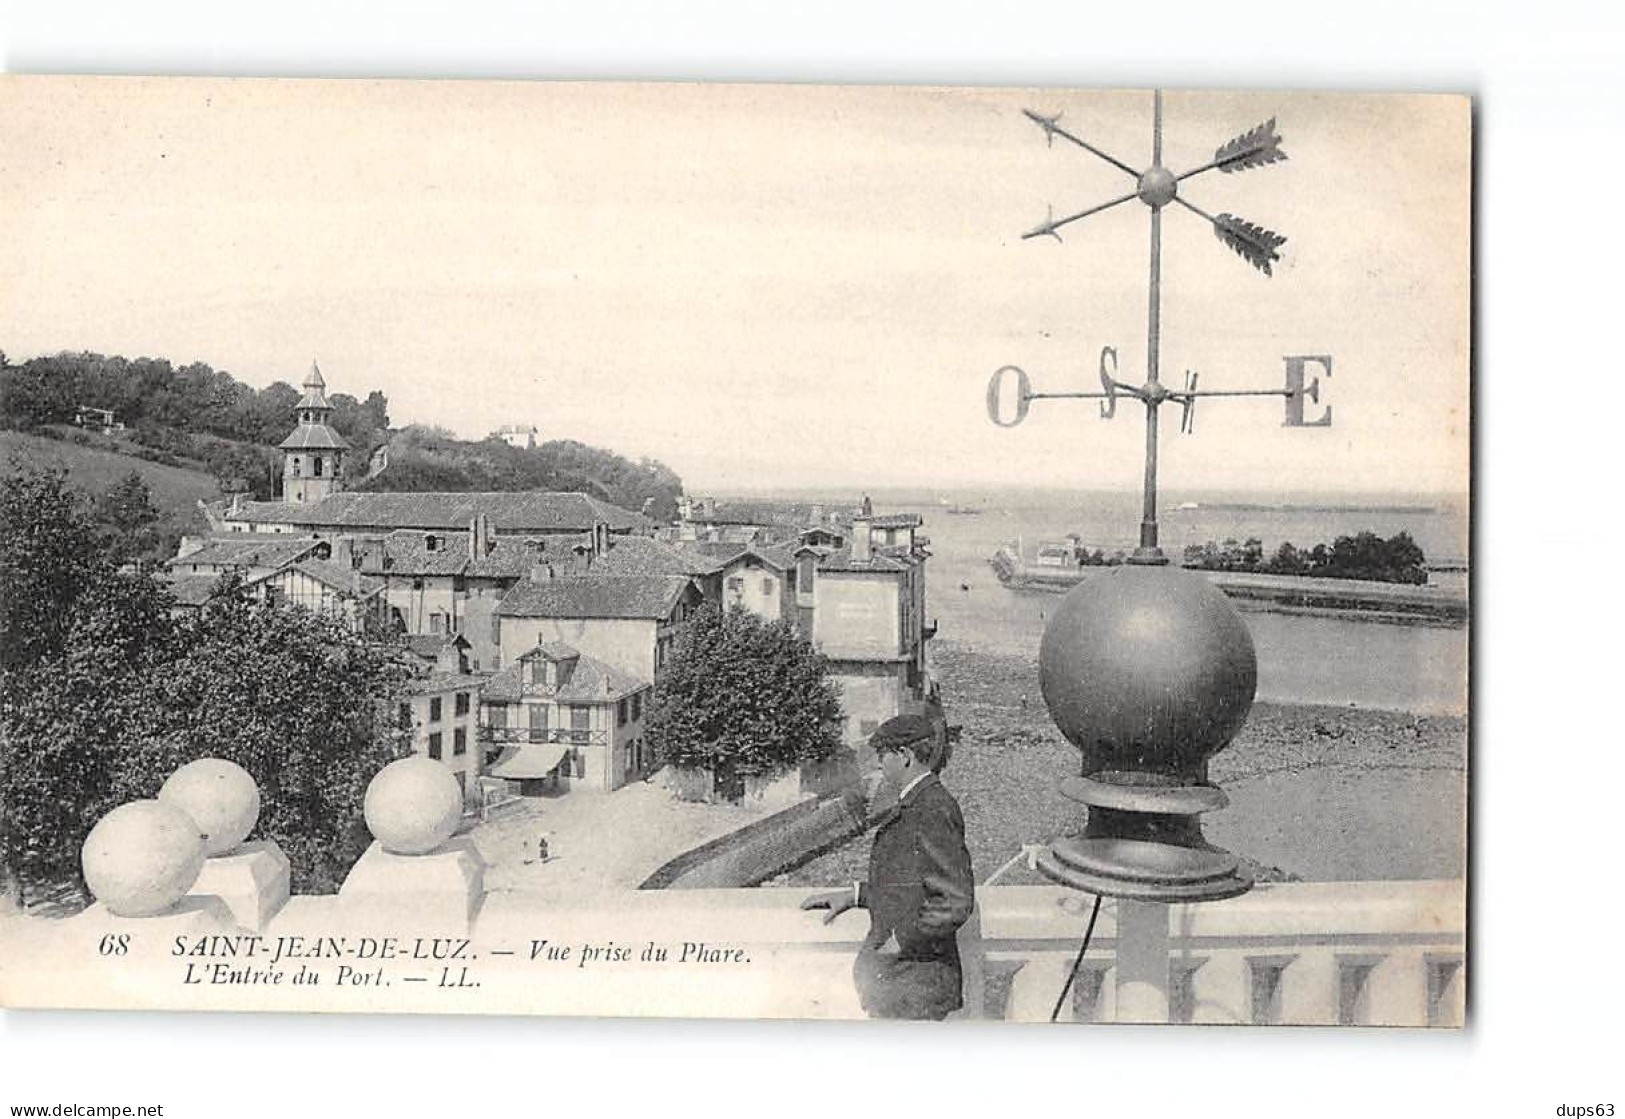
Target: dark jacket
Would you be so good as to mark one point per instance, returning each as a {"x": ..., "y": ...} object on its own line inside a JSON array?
[{"x": 920, "y": 890}]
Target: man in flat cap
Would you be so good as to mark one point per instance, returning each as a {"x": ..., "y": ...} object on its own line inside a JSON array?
[{"x": 920, "y": 888}]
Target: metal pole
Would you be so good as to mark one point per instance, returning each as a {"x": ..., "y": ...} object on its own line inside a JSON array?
[{"x": 1148, "y": 521}]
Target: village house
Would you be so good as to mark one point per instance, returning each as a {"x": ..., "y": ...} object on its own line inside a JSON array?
[
  {"x": 522, "y": 436},
  {"x": 630, "y": 622},
  {"x": 556, "y": 719},
  {"x": 443, "y": 713},
  {"x": 324, "y": 587}
]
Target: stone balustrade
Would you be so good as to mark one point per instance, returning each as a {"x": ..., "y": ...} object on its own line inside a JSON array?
[{"x": 413, "y": 929}]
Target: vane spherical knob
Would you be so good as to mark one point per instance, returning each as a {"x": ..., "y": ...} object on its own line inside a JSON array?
[
  {"x": 142, "y": 858},
  {"x": 1158, "y": 187},
  {"x": 1147, "y": 670},
  {"x": 412, "y": 806},
  {"x": 220, "y": 796}
]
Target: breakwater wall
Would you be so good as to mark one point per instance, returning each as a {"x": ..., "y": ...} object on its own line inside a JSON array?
[
  {"x": 770, "y": 846},
  {"x": 1395, "y": 602}
]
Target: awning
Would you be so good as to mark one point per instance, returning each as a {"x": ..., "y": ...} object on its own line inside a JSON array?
[{"x": 529, "y": 761}]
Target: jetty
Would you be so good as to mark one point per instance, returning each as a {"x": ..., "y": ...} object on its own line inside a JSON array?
[{"x": 1396, "y": 602}]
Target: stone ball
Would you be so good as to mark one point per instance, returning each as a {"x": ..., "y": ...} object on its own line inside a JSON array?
[
  {"x": 220, "y": 796},
  {"x": 413, "y": 806},
  {"x": 142, "y": 857},
  {"x": 1149, "y": 670}
]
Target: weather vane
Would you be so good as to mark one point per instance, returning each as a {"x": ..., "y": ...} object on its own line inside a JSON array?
[{"x": 1157, "y": 186}]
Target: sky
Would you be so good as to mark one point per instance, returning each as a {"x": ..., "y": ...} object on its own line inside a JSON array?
[{"x": 761, "y": 285}]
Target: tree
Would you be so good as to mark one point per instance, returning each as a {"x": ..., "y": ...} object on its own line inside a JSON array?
[
  {"x": 742, "y": 696},
  {"x": 129, "y": 522},
  {"x": 103, "y": 694},
  {"x": 48, "y": 556}
]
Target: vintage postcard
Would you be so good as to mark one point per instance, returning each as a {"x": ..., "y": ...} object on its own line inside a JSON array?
[{"x": 735, "y": 550}]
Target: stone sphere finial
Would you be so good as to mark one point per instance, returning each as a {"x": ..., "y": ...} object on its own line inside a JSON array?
[
  {"x": 1148, "y": 670},
  {"x": 142, "y": 857},
  {"x": 220, "y": 795},
  {"x": 413, "y": 806}
]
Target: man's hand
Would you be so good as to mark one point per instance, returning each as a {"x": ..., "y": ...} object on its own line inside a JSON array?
[{"x": 836, "y": 901}]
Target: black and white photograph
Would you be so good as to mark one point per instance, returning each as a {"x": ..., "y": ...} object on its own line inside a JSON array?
[
  {"x": 738, "y": 551},
  {"x": 964, "y": 559}
]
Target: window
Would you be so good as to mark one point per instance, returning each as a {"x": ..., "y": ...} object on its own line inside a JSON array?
[
  {"x": 316, "y": 467},
  {"x": 437, "y": 623},
  {"x": 538, "y": 722},
  {"x": 767, "y": 587},
  {"x": 461, "y": 706},
  {"x": 631, "y": 755},
  {"x": 459, "y": 741},
  {"x": 497, "y": 715},
  {"x": 580, "y": 722},
  {"x": 404, "y": 718},
  {"x": 434, "y": 745},
  {"x": 637, "y": 706},
  {"x": 434, "y": 710},
  {"x": 620, "y": 713},
  {"x": 431, "y": 543},
  {"x": 298, "y": 465},
  {"x": 417, "y": 584}
]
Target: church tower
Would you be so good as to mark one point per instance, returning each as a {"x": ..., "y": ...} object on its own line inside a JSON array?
[{"x": 313, "y": 455}]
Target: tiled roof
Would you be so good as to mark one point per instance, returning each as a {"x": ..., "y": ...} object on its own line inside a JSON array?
[
  {"x": 897, "y": 520},
  {"x": 587, "y": 682},
  {"x": 841, "y": 560},
  {"x": 448, "y": 682},
  {"x": 515, "y": 513},
  {"x": 314, "y": 437},
  {"x": 192, "y": 590},
  {"x": 513, "y": 557},
  {"x": 642, "y": 555},
  {"x": 257, "y": 550},
  {"x": 553, "y": 651},
  {"x": 595, "y": 596},
  {"x": 429, "y": 645},
  {"x": 335, "y": 575},
  {"x": 776, "y": 556}
]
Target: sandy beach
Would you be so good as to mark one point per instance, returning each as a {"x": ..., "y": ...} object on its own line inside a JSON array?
[{"x": 1317, "y": 793}]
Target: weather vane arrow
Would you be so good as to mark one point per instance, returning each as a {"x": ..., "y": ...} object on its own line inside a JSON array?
[{"x": 1157, "y": 187}]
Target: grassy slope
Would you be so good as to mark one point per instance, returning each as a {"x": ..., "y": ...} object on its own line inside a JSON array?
[{"x": 175, "y": 491}]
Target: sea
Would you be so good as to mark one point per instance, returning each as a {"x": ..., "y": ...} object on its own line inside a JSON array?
[{"x": 1337, "y": 660}]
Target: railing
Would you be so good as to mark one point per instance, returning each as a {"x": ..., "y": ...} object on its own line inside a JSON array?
[
  {"x": 517, "y": 736},
  {"x": 1385, "y": 953}
]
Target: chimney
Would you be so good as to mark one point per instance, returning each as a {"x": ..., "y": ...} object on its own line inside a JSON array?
[
  {"x": 479, "y": 537},
  {"x": 344, "y": 552},
  {"x": 237, "y": 502},
  {"x": 600, "y": 539},
  {"x": 860, "y": 539}
]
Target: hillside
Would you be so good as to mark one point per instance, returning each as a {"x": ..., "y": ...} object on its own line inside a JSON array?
[{"x": 175, "y": 490}]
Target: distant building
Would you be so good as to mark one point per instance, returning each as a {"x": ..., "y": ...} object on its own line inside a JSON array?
[
  {"x": 313, "y": 454},
  {"x": 857, "y": 592},
  {"x": 558, "y": 718},
  {"x": 529, "y": 513},
  {"x": 522, "y": 436},
  {"x": 96, "y": 419}
]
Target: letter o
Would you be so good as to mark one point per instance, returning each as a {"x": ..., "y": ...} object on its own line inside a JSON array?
[{"x": 1023, "y": 395}]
